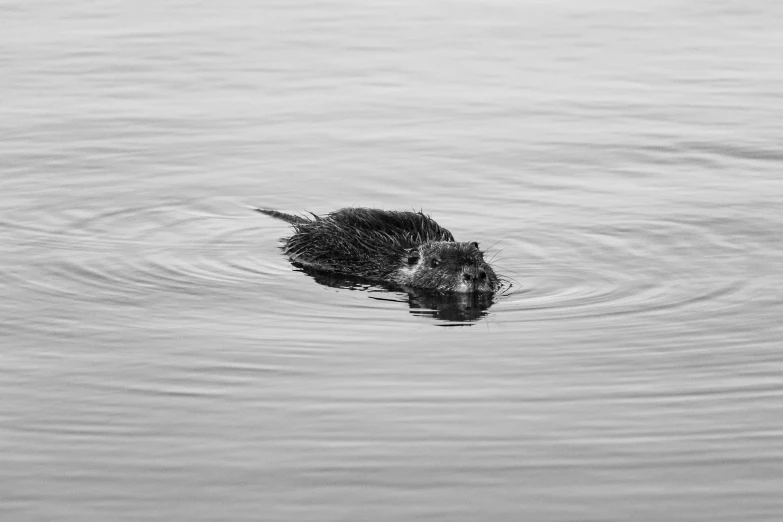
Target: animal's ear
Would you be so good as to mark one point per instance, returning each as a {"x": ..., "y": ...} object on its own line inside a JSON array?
[
  {"x": 413, "y": 255},
  {"x": 475, "y": 244}
]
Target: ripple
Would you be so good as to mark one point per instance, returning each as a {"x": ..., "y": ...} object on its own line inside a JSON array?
[
  {"x": 641, "y": 267},
  {"x": 192, "y": 248},
  {"x": 127, "y": 256}
]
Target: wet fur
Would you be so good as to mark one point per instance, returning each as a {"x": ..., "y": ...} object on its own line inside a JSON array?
[{"x": 383, "y": 245}]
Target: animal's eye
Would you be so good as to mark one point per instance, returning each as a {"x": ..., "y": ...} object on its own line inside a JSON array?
[{"x": 434, "y": 263}]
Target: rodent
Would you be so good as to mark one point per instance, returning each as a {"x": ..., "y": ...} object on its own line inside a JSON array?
[{"x": 408, "y": 249}]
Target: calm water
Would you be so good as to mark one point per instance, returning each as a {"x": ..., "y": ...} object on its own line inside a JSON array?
[{"x": 162, "y": 361}]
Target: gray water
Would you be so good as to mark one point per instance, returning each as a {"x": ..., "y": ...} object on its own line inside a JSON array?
[{"x": 162, "y": 360}]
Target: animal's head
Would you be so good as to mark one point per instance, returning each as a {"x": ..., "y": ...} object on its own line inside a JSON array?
[{"x": 447, "y": 266}]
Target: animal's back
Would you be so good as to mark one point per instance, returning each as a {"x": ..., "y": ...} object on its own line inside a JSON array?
[{"x": 362, "y": 241}]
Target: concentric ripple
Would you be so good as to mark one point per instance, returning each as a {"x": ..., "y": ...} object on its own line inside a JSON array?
[
  {"x": 637, "y": 267},
  {"x": 192, "y": 248},
  {"x": 126, "y": 256}
]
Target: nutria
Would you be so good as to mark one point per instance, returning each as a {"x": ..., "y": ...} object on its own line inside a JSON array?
[{"x": 408, "y": 249}]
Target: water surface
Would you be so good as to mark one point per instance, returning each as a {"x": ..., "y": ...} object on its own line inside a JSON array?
[{"x": 161, "y": 360}]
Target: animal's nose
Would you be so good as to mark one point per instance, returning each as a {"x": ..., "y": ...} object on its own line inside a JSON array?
[{"x": 481, "y": 275}]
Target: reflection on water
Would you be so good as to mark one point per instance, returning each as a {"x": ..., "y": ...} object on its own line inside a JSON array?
[
  {"x": 451, "y": 307},
  {"x": 161, "y": 360},
  {"x": 455, "y": 307}
]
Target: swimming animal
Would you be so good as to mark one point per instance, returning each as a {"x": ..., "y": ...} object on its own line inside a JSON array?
[{"x": 408, "y": 249}]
